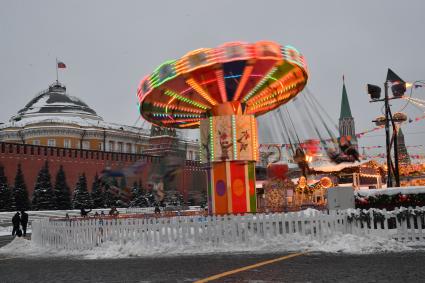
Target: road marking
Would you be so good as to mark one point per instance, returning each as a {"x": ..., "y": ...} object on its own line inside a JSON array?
[{"x": 230, "y": 272}]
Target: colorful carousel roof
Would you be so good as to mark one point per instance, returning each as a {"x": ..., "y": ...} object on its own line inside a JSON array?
[{"x": 254, "y": 77}]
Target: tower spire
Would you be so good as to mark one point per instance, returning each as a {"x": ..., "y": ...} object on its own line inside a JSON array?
[
  {"x": 346, "y": 120},
  {"x": 345, "y": 104}
]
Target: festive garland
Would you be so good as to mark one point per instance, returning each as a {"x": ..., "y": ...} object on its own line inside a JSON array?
[
  {"x": 379, "y": 216},
  {"x": 390, "y": 202}
]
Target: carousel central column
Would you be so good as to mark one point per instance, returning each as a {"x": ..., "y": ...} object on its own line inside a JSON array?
[{"x": 230, "y": 147}]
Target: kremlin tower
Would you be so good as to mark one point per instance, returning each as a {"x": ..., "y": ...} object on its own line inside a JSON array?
[{"x": 346, "y": 120}]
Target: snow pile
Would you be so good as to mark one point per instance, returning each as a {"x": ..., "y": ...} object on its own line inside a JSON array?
[
  {"x": 309, "y": 212},
  {"x": 7, "y": 231},
  {"x": 391, "y": 191},
  {"x": 348, "y": 243},
  {"x": 337, "y": 243}
]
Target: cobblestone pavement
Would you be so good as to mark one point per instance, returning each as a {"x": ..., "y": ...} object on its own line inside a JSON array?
[{"x": 312, "y": 267}]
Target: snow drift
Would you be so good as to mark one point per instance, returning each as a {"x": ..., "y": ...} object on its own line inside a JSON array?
[{"x": 337, "y": 243}]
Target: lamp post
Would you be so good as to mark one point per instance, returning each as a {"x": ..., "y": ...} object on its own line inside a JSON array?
[
  {"x": 387, "y": 136},
  {"x": 398, "y": 87}
]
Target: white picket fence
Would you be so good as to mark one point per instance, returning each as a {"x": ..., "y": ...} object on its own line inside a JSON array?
[{"x": 216, "y": 230}]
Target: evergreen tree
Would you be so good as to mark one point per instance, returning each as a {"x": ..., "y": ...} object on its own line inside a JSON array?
[
  {"x": 139, "y": 199},
  {"x": 6, "y": 195},
  {"x": 62, "y": 194},
  {"x": 97, "y": 194},
  {"x": 135, "y": 191},
  {"x": 174, "y": 198},
  {"x": 125, "y": 194},
  {"x": 140, "y": 185},
  {"x": 82, "y": 197},
  {"x": 111, "y": 196},
  {"x": 20, "y": 191},
  {"x": 43, "y": 196}
]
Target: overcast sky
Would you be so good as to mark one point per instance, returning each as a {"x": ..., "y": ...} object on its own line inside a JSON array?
[{"x": 108, "y": 46}]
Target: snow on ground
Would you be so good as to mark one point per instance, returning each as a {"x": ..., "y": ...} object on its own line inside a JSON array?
[
  {"x": 5, "y": 231},
  {"x": 391, "y": 191},
  {"x": 338, "y": 243}
]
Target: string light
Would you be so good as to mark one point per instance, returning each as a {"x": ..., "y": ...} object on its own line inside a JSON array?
[
  {"x": 235, "y": 145},
  {"x": 221, "y": 86},
  {"x": 246, "y": 74},
  {"x": 158, "y": 76},
  {"x": 176, "y": 115},
  {"x": 193, "y": 124},
  {"x": 254, "y": 138},
  {"x": 180, "y": 121},
  {"x": 177, "y": 107},
  {"x": 201, "y": 91},
  {"x": 211, "y": 139},
  {"x": 260, "y": 84},
  {"x": 185, "y": 99}
]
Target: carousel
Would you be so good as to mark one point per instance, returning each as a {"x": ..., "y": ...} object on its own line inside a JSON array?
[{"x": 221, "y": 91}]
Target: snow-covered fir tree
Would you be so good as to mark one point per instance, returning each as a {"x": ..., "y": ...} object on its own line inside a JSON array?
[
  {"x": 111, "y": 192},
  {"x": 82, "y": 197},
  {"x": 174, "y": 198},
  {"x": 139, "y": 199},
  {"x": 197, "y": 198},
  {"x": 20, "y": 191},
  {"x": 125, "y": 194},
  {"x": 62, "y": 194},
  {"x": 43, "y": 197},
  {"x": 109, "y": 196},
  {"x": 97, "y": 195},
  {"x": 135, "y": 191},
  {"x": 7, "y": 202}
]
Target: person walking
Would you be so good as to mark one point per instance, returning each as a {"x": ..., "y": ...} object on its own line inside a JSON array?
[
  {"x": 157, "y": 209},
  {"x": 24, "y": 222},
  {"x": 16, "y": 220},
  {"x": 113, "y": 211}
]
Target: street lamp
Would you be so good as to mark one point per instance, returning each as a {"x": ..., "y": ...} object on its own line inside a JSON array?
[{"x": 398, "y": 88}]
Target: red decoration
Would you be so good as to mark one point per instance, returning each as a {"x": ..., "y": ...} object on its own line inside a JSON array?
[{"x": 277, "y": 171}]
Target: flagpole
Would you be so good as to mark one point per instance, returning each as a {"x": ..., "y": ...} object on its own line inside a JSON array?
[{"x": 57, "y": 75}]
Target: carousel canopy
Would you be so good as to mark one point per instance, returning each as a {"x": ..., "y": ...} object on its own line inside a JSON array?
[{"x": 248, "y": 78}]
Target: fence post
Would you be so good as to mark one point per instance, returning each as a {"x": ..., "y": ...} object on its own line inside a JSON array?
[{"x": 419, "y": 218}]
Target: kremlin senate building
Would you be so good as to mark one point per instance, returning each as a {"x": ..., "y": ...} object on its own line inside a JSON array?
[{"x": 63, "y": 130}]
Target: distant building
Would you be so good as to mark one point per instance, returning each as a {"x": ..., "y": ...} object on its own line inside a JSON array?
[
  {"x": 55, "y": 118},
  {"x": 63, "y": 130},
  {"x": 346, "y": 121}
]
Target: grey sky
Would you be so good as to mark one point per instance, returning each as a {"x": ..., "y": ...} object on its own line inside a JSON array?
[{"x": 109, "y": 46}]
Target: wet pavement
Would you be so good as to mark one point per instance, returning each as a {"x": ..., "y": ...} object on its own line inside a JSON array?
[{"x": 312, "y": 267}]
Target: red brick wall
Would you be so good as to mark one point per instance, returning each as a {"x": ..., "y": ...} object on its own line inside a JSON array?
[{"x": 74, "y": 162}]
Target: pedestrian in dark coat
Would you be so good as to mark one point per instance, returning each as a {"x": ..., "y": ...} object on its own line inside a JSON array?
[
  {"x": 16, "y": 220},
  {"x": 24, "y": 222},
  {"x": 157, "y": 209}
]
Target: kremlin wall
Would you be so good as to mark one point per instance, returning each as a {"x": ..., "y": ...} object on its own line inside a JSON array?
[{"x": 61, "y": 129}]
